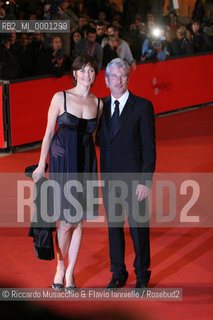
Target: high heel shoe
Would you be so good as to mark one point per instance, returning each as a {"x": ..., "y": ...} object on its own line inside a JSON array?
[
  {"x": 58, "y": 286},
  {"x": 70, "y": 289}
]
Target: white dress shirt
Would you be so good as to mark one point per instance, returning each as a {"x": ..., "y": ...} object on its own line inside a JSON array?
[{"x": 122, "y": 101}]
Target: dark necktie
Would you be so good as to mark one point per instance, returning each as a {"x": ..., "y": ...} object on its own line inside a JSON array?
[{"x": 115, "y": 119}]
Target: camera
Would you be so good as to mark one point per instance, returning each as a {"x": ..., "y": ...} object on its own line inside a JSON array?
[
  {"x": 53, "y": 6},
  {"x": 156, "y": 43},
  {"x": 59, "y": 54}
]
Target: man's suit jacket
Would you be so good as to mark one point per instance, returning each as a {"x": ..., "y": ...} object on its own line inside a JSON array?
[{"x": 132, "y": 149}]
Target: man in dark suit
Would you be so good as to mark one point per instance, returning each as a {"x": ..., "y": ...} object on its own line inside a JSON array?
[{"x": 127, "y": 153}]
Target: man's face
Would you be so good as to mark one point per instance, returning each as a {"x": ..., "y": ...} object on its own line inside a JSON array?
[
  {"x": 117, "y": 81},
  {"x": 151, "y": 25},
  {"x": 37, "y": 36},
  {"x": 65, "y": 4},
  {"x": 24, "y": 40},
  {"x": 115, "y": 23},
  {"x": 101, "y": 16},
  {"x": 91, "y": 37},
  {"x": 82, "y": 22},
  {"x": 150, "y": 17},
  {"x": 32, "y": 16},
  {"x": 110, "y": 32},
  {"x": 100, "y": 30},
  {"x": 13, "y": 36},
  {"x": 180, "y": 36},
  {"x": 56, "y": 43},
  {"x": 138, "y": 22}
]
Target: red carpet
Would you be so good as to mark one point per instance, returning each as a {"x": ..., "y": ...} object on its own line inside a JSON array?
[{"x": 180, "y": 257}]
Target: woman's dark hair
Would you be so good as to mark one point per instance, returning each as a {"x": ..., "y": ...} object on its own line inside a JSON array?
[
  {"x": 76, "y": 31},
  {"x": 81, "y": 61}
]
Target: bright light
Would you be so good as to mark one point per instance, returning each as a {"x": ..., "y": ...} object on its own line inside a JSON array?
[
  {"x": 7, "y": 2},
  {"x": 156, "y": 32}
]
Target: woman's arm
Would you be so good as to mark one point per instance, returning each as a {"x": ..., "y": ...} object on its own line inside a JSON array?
[
  {"x": 95, "y": 139},
  {"x": 53, "y": 113}
]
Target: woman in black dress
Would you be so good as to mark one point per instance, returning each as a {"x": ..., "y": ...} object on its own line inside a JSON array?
[{"x": 72, "y": 151}]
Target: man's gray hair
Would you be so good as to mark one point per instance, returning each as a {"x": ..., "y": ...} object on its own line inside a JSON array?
[{"x": 117, "y": 62}]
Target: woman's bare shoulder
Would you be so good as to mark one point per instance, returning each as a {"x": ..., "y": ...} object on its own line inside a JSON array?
[
  {"x": 58, "y": 96},
  {"x": 57, "y": 99},
  {"x": 92, "y": 96},
  {"x": 96, "y": 99}
]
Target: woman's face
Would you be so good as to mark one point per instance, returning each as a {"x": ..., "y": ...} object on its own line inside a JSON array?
[
  {"x": 76, "y": 36},
  {"x": 195, "y": 27},
  {"x": 113, "y": 42},
  {"x": 85, "y": 76}
]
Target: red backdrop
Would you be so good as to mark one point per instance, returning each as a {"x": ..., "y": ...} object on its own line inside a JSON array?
[{"x": 170, "y": 85}]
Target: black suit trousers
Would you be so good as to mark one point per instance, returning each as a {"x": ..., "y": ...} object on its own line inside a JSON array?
[{"x": 138, "y": 220}]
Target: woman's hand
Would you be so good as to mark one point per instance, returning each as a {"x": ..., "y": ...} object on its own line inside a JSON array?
[{"x": 38, "y": 173}]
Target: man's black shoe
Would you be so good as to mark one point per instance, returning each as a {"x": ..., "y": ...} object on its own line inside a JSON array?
[{"x": 116, "y": 282}]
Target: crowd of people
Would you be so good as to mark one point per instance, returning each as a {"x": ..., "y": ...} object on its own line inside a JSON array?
[{"x": 99, "y": 29}]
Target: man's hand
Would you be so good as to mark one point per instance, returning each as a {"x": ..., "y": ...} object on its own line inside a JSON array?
[
  {"x": 60, "y": 62},
  {"x": 54, "y": 60},
  {"x": 132, "y": 26},
  {"x": 142, "y": 192},
  {"x": 7, "y": 45},
  {"x": 60, "y": 10}
]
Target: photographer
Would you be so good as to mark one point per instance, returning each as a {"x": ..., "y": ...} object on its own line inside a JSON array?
[
  {"x": 89, "y": 46},
  {"x": 123, "y": 49},
  {"x": 109, "y": 51},
  {"x": 52, "y": 61},
  {"x": 51, "y": 8},
  {"x": 61, "y": 10},
  {"x": 8, "y": 10},
  {"x": 9, "y": 56},
  {"x": 154, "y": 47},
  {"x": 196, "y": 37},
  {"x": 181, "y": 45}
]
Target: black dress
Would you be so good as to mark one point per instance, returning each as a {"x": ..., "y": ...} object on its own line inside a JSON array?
[{"x": 73, "y": 168}]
